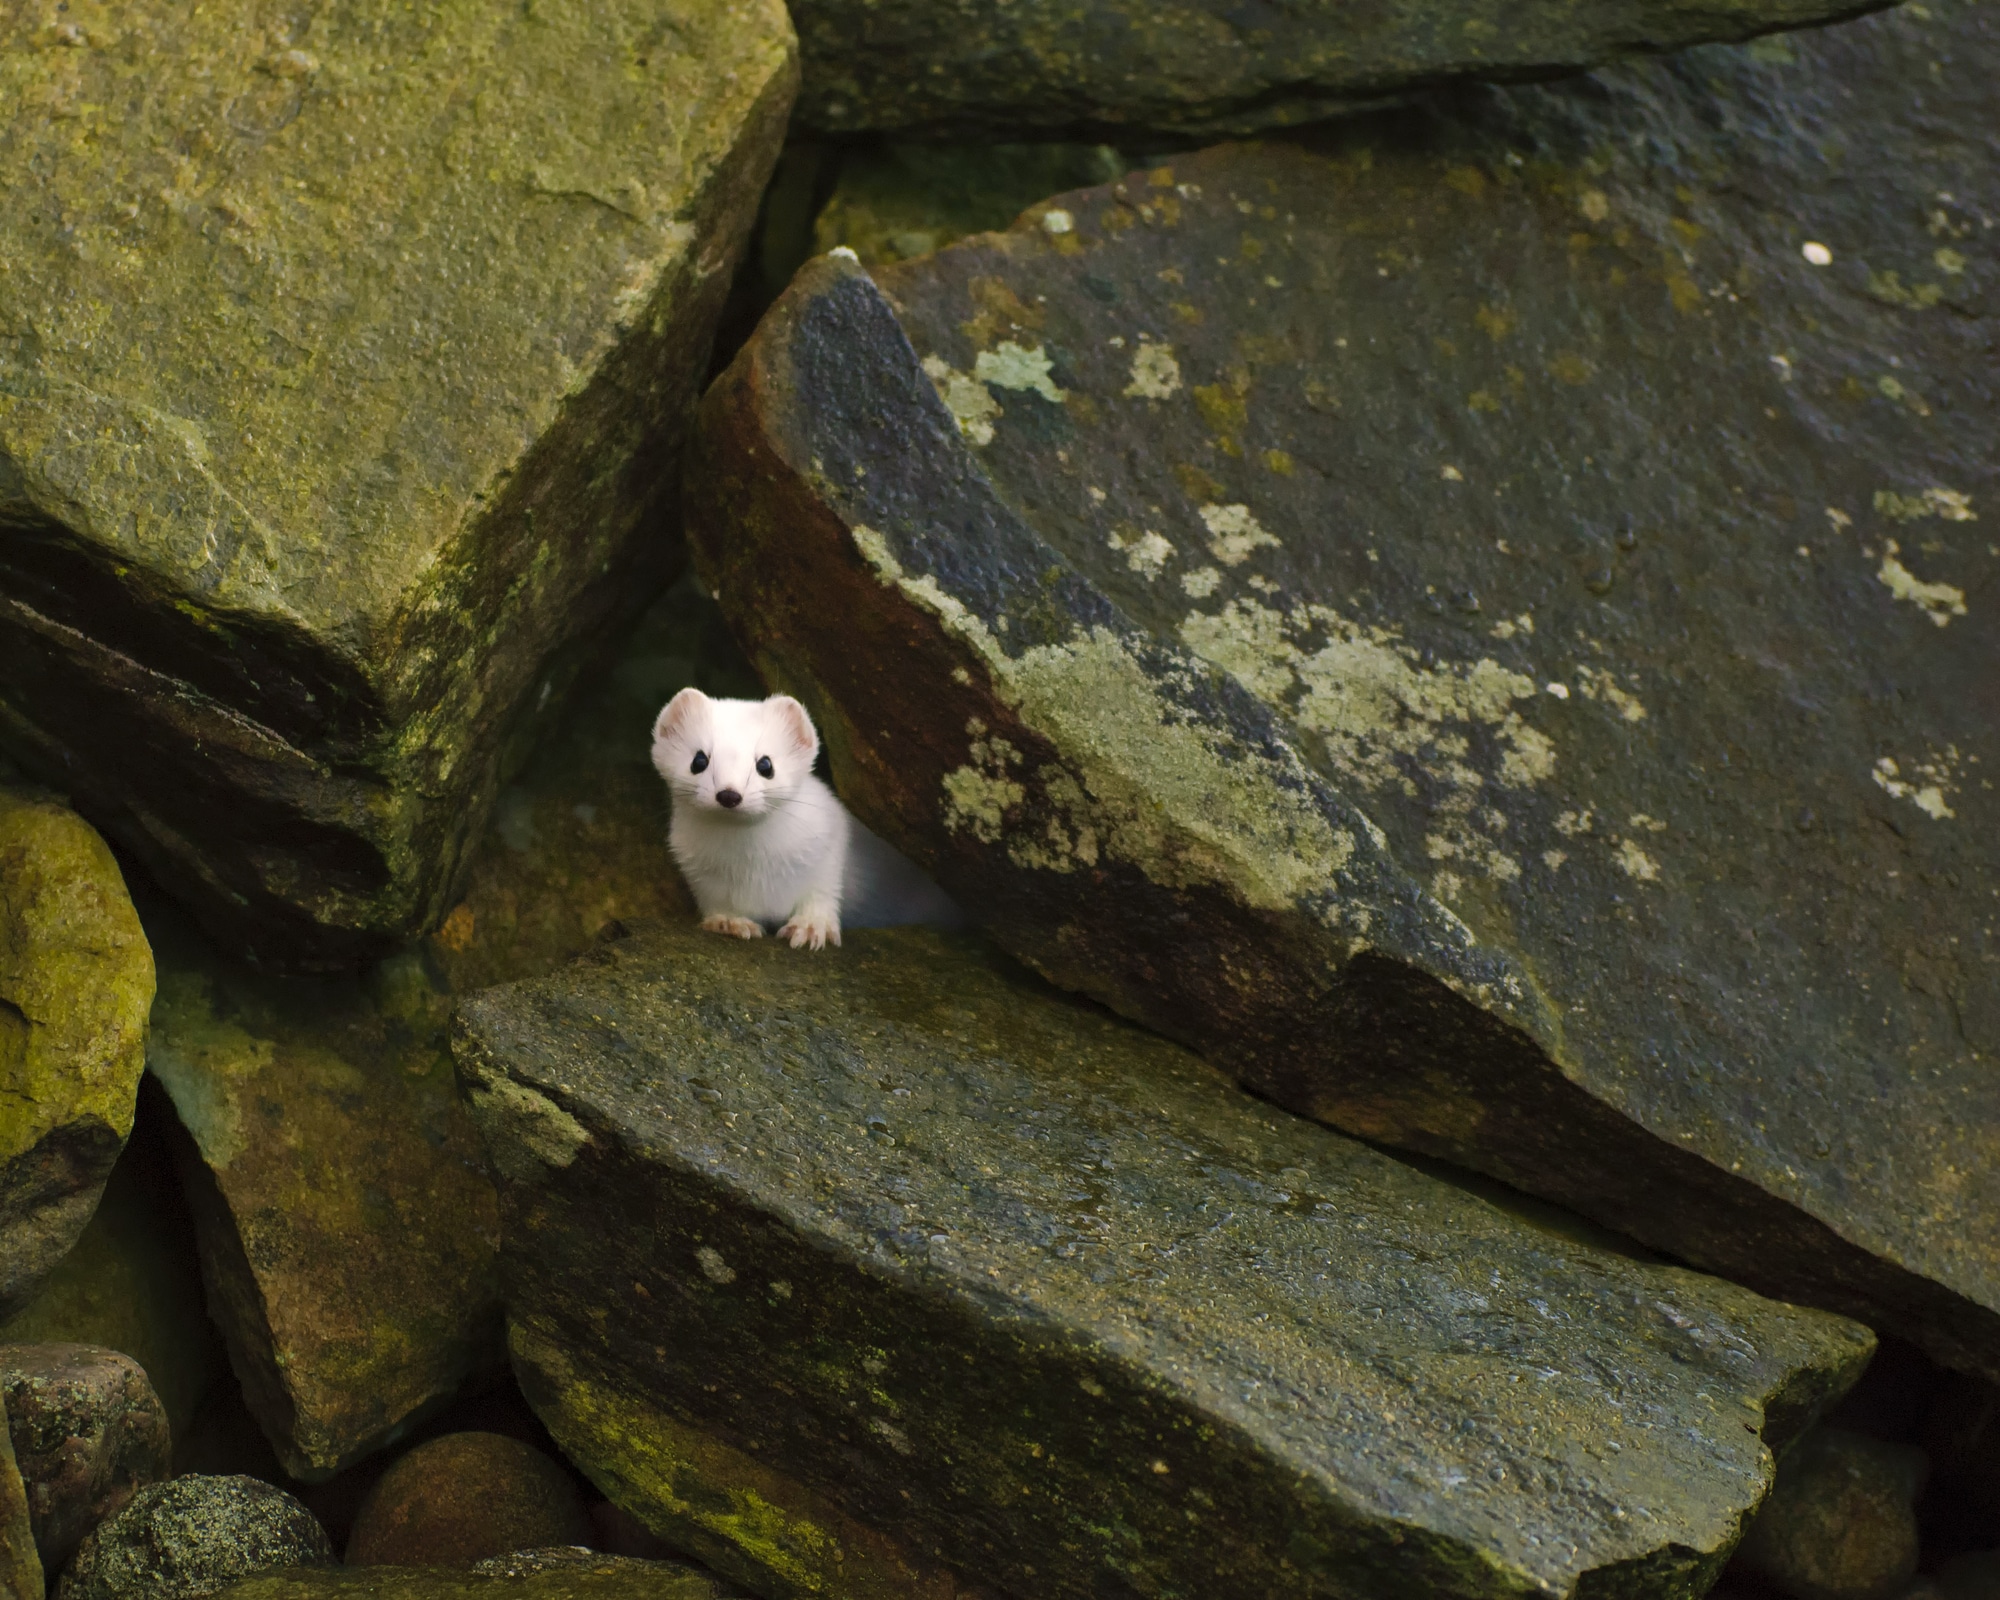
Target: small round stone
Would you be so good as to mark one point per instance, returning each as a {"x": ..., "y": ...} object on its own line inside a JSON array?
[
  {"x": 1840, "y": 1523},
  {"x": 464, "y": 1498},
  {"x": 194, "y": 1537},
  {"x": 1816, "y": 253}
]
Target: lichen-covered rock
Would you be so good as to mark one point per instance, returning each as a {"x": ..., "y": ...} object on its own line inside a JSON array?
[
  {"x": 1841, "y": 1522},
  {"x": 192, "y": 1538},
  {"x": 21, "y": 1576},
  {"x": 1476, "y": 624},
  {"x": 464, "y": 1498},
  {"x": 88, "y": 1433},
  {"x": 1005, "y": 67},
  {"x": 803, "y": 1252},
  {"x": 348, "y": 1231},
  {"x": 533, "y": 1575},
  {"x": 410, "y": 306},
  {"x": 76, "y": 979}
]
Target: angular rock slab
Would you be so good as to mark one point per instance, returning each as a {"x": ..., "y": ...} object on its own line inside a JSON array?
[
  {"x": 1045, "y": 1300},
  {"x": 345, "y": 359},
  {"x": 76, "y": 981},
  {"x": 1020, "y": 68},
  {"x": 601, "y": 1578},
  {"x": 347, "y": 1228},
  {"x": 1483, "y": 627}
]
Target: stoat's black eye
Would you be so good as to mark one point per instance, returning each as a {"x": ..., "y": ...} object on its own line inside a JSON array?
[
  {"x": 764, "y": 768},
  {"x": 700, "y": 762}
]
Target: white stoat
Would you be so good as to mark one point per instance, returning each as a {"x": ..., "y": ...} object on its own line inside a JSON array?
[{"x": 761, "y": 841}]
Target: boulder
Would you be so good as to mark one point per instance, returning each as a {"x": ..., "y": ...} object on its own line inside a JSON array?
[
  {"x": 1841, "y": 1522},
  {"x": 411, "y": 308},
  {"x": 76, "y": 979},
  {"x": 21, "y": 1575},
  {"x": 192, "y": 1538},
  {"x": 88, "y": 1433},
  {"x": 534, "y": 1575},
  {"x": 464, "y": 1498},
  {"x": 1472, "y": 622},
  {"x": 1119, "y": 67},
  {"x": 886, "y": 1269}
]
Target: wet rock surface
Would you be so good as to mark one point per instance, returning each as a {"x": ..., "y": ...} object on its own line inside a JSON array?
[
  {"x": 1021, "y": 1287},
  {"x": 1200, "y": 67},
  {"x": 1474, "y": 624},
  {"x": 1841, "y": 1520},
  {"x": 530, "y": 1575},
  {"x": 410, "y": 309},
  {"x": 76, "y": 979},
  {"x": 463, "y": 1499},
  {"x": 88, "y": 1433},
  {"x": 192, "y": 1538}
]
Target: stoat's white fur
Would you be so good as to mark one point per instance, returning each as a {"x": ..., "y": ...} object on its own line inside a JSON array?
[{"x": 784, "y": 850}]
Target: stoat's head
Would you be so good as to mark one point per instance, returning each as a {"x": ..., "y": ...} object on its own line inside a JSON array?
[{"x": 737, "y": 758}]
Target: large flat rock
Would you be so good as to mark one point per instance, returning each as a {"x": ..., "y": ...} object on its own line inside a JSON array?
[
  {"x": 345, "y": 360},
  {"x": 1015, "y": 68},
  {"x": 76, "y": 979},
  {"x": 1047, "y": 1302},
  {"x": 1482, "y": 626}
]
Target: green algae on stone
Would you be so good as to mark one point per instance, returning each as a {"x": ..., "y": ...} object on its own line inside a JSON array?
[
  {"x": 1046, "y": 1301},
  {"x": 1473, "y": 620},
  {"x": 21, "y": 1576},
  {"x": 1109, "y": 67},
  {"x": 591, "y": 1577},
  {"x": 76, "y": 979},
  {"x": 345, "y": 361},
  {"x": 347, "y": 1227}
]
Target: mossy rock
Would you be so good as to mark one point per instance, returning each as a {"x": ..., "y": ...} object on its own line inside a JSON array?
[
  {"x": 866, "y": 1273},
  {"x": 76, "y": 981},
  {"x": 582, "y": 1576},
  {"x": 410, "y": 307},
  {"x": 1476, "y": 620}
]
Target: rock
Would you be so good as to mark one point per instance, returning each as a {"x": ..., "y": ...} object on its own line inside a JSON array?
[
  {"x": 533, "y": 1575},
  {"x": 1007, "y": 67},
  {"x": 1841, "y": 1522},
  {"x": 413, "y": 307},
  {"x": 75, "y": 981},
  {"x": 1462, "y": 625},
  {"x": 20, "y": 1567},
  {"x": 894, "y": 202},
  {"x": 893, "y": 1246},
  {"x": 463, "y": 1498},
  {"x": 348, "y": 1230},
  {"x": 1974, "y": 1576},
  {"x": 191, "y": 1538},
  {"x": 88, "y": 1434},
  {"x": 133, "y": 1282}
]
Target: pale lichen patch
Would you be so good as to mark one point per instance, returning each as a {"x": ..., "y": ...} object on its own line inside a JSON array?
[
  {"x": 1156, "y": 375},
  {"x": 1146, "y": 552},
  {"x": 969, "y": 401},
  {"x": 1926, "y": 786},
  {"x": 1234, "y": 533},
  {"x": 1939, "y": 601},
  {"x": 1011, "y": 366},
  {"x": 1202, "y": 582},
  {"x": 1637, "y": 864},
  {"x": 1953, "y": 505},
  {"x": 1596, "y": 684},
  {"x": 978, "y": 795}
]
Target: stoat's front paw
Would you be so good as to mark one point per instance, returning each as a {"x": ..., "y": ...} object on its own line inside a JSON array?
[
  {"x": 735, "y": 927},
  {"x": 815, "y": 928}
]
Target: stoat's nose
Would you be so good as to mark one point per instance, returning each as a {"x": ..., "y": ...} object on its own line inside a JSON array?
[{"x": 728, "y": 798}]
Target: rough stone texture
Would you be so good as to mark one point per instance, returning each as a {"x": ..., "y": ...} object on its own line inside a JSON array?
[
  {"x": 1841, "y": 1522},
  {"x": 1051, "y": 1305},
  {"x": 133, "y": 1281},
  {"x": 192, "y": 1538},
  {"x": 463, "y": 1498},
  {"x": 20, "y": 1567},
  {"x": 1007, "y": 67},
  {"x": 348, "y": 1230},
  {"x": 592, "y": 1577},
  {"x": 1469, "y": 626},
  {"x": 897, "y": 201},
  {"x": 410, "y": 306},
  {"x": 75, "y": 981},
  {"x": 88, "y": 1433}
]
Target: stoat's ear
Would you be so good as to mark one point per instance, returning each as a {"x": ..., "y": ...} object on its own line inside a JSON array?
[
  {"x": 677, "y": 713},
  {"x": 793, "y": 725}
]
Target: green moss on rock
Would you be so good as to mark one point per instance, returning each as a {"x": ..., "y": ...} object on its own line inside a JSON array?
[
  {"x": 1053, "y": 1307},
  {"x": 76, "y": 979}
]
